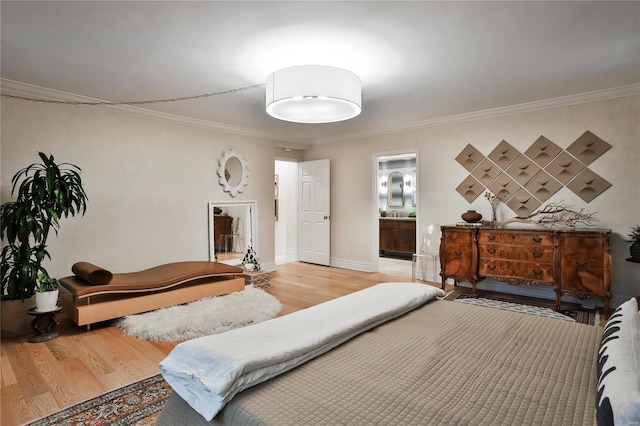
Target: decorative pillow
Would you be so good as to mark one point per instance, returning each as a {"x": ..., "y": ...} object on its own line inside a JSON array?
[
  {"x": 92, "y": 274},
  {"x": 618, "y": 370}
]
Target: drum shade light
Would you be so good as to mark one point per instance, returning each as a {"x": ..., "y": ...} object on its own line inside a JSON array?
[{"x": 313, "y": 94}]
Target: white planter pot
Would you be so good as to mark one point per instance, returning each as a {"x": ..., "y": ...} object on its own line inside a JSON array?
[{"x": 47, "y": 301}]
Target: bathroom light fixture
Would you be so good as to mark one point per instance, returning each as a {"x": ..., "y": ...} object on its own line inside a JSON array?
[{"x": 313, "y": 94}]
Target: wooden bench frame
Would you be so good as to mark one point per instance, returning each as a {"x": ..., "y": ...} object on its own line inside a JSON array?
[{"x": 105, "y": 307}]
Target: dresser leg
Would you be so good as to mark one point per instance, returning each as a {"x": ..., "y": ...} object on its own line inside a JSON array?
[{"x": 558, "y": 296}]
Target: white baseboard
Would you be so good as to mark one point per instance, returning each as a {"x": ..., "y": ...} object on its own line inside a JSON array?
[{"x": 350, "y": 264}]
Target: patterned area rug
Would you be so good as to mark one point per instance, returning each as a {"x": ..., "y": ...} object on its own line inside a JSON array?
[
  {"x": 135, "y": 404},
  {"x": 583, "y": 317}
]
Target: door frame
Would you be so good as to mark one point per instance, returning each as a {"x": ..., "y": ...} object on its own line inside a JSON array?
[{"x": 375, "y": 214}]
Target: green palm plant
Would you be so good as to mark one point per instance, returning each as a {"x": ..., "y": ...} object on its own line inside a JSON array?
[
  {"x": 634, "y": 239},
  {"x": 46, "y": 192}
]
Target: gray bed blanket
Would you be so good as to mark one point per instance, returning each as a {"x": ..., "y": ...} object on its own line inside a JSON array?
[{"x": 444, "y": 363}]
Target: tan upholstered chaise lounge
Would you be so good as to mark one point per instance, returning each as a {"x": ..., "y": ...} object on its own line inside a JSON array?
[{"x": 94, "y": 294}]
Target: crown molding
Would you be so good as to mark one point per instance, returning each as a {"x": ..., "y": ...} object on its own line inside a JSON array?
[
  {"x": 16, "y": 87},
  {"x": 598, "y": 95},
  {"x": 24, "y": 89}
]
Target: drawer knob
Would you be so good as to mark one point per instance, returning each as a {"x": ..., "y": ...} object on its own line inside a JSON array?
[
  {"x": 458, "y": 253},
  {"x": 581, "y": 264},
  {"x": 537, "y": 271},
  {"x": 537, "y": 254},
  {"x": 491, "y": 267},
  {"x": 537, "y": 239},
  {"x": 492, "y": 237},
  {"x": 491, "y": 251}
]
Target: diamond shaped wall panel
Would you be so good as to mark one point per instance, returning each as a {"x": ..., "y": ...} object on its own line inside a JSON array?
[
  {"x": 543, "y": 186},
  {"x": 588, "y": 147},
  {"x": 469, "y": 158},
  {"x": 504, "y": 154},
  {"x": 564, "y": 167},
  {"x": 588, "y": 185},
  {"x": 470, "y": 188},
  {"x": 504, "y": 187},
  {"x": 525, "y": 181},
  {"x": 522, "y": 170},
  {"x": 543, "y": 151},
  {"x": 486, "y": 172},
  {"x": 523, "y": 203}
]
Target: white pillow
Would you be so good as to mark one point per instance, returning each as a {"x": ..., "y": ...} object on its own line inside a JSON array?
[{"x": 618, "y": 372}]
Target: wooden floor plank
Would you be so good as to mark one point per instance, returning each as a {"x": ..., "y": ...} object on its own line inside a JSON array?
[
  {"x": 43, "y": 404},
  {"x": 7, "y": 376},
  {"x": 100, "y": 341},
  {"x": 135, "y": 351},
  {"x": 12, "y": 411},
  {"x": 86, "y": 383},
  {"x": 59, "y": 384},
  {"x": 30, "y": 382}
]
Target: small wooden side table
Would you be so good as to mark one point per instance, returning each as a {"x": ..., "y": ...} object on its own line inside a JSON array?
[{"x": 44, "y": 334}]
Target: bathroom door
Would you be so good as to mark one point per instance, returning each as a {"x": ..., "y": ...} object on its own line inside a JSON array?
[{"x": 314, "y": 212}]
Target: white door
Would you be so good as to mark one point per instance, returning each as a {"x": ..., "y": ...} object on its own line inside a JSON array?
[{"x": 314, "y": 220}]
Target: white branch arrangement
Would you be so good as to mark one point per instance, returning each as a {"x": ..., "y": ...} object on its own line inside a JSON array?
[{"x": 555, "y": 215}]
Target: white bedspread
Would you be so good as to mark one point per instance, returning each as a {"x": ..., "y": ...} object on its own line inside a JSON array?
[{"x": 207, "y": 372}]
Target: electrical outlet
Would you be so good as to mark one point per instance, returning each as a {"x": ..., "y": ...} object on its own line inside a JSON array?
[{"x": 348, "y": 253}]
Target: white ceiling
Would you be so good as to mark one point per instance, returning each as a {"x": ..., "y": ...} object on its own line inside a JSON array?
[{"x": 419, "y": 61}]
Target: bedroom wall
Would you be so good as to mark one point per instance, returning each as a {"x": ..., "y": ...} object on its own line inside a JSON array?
[
  {"x": 148, "y": 183},
  {"x": 615, "y": 120}
]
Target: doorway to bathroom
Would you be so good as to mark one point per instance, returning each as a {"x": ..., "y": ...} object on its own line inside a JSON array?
[{"x": 396, "y": 211}]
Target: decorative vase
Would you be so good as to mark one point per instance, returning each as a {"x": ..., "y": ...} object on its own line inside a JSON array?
[
  {"x": 47, "y": 301},
  {"x": 634, "y": 250},
  {"x": 471, "y": 216}
]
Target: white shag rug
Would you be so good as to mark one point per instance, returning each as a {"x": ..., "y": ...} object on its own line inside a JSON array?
[{"x": 203, "y": 317}]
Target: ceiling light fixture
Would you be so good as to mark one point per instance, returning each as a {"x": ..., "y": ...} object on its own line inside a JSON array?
[{"x": 313, "y": 94}]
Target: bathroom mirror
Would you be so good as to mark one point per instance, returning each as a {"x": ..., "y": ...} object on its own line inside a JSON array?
[
  {"x": 395, "y": 190},
  {"x": 232, "y": 228},
  {"x": 233, "y": 172}
]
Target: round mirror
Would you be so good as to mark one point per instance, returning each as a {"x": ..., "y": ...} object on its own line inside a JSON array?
[{"x": 233, "y": 172}]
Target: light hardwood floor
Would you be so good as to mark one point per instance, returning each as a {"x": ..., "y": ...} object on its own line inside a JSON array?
[{"x": 41, "y": 378}]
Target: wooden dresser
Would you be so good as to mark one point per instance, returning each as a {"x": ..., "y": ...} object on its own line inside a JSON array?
[{"x": 573, "y": 262}]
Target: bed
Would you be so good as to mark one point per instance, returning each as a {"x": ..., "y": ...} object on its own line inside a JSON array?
[
  {"x": 94, "y": 294},
  {"x": 444, "y": 362}
]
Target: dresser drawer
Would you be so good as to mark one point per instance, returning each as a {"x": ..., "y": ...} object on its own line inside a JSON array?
[
  {"x": 540, "y": 254},
  {"x": 516, "y": 237},
  {"x": 525, "y": 270}
]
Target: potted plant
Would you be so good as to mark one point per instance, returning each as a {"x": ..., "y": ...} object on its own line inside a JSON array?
[
  {"x": 47, "y": 293},
  {"x": 45, "y": 192},
  {"x": 250, "y": 260},
  {"x": 634, "y": 239}
]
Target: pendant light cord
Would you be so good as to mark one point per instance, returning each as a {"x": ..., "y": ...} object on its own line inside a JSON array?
[{"x": 143, "y": 102}]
